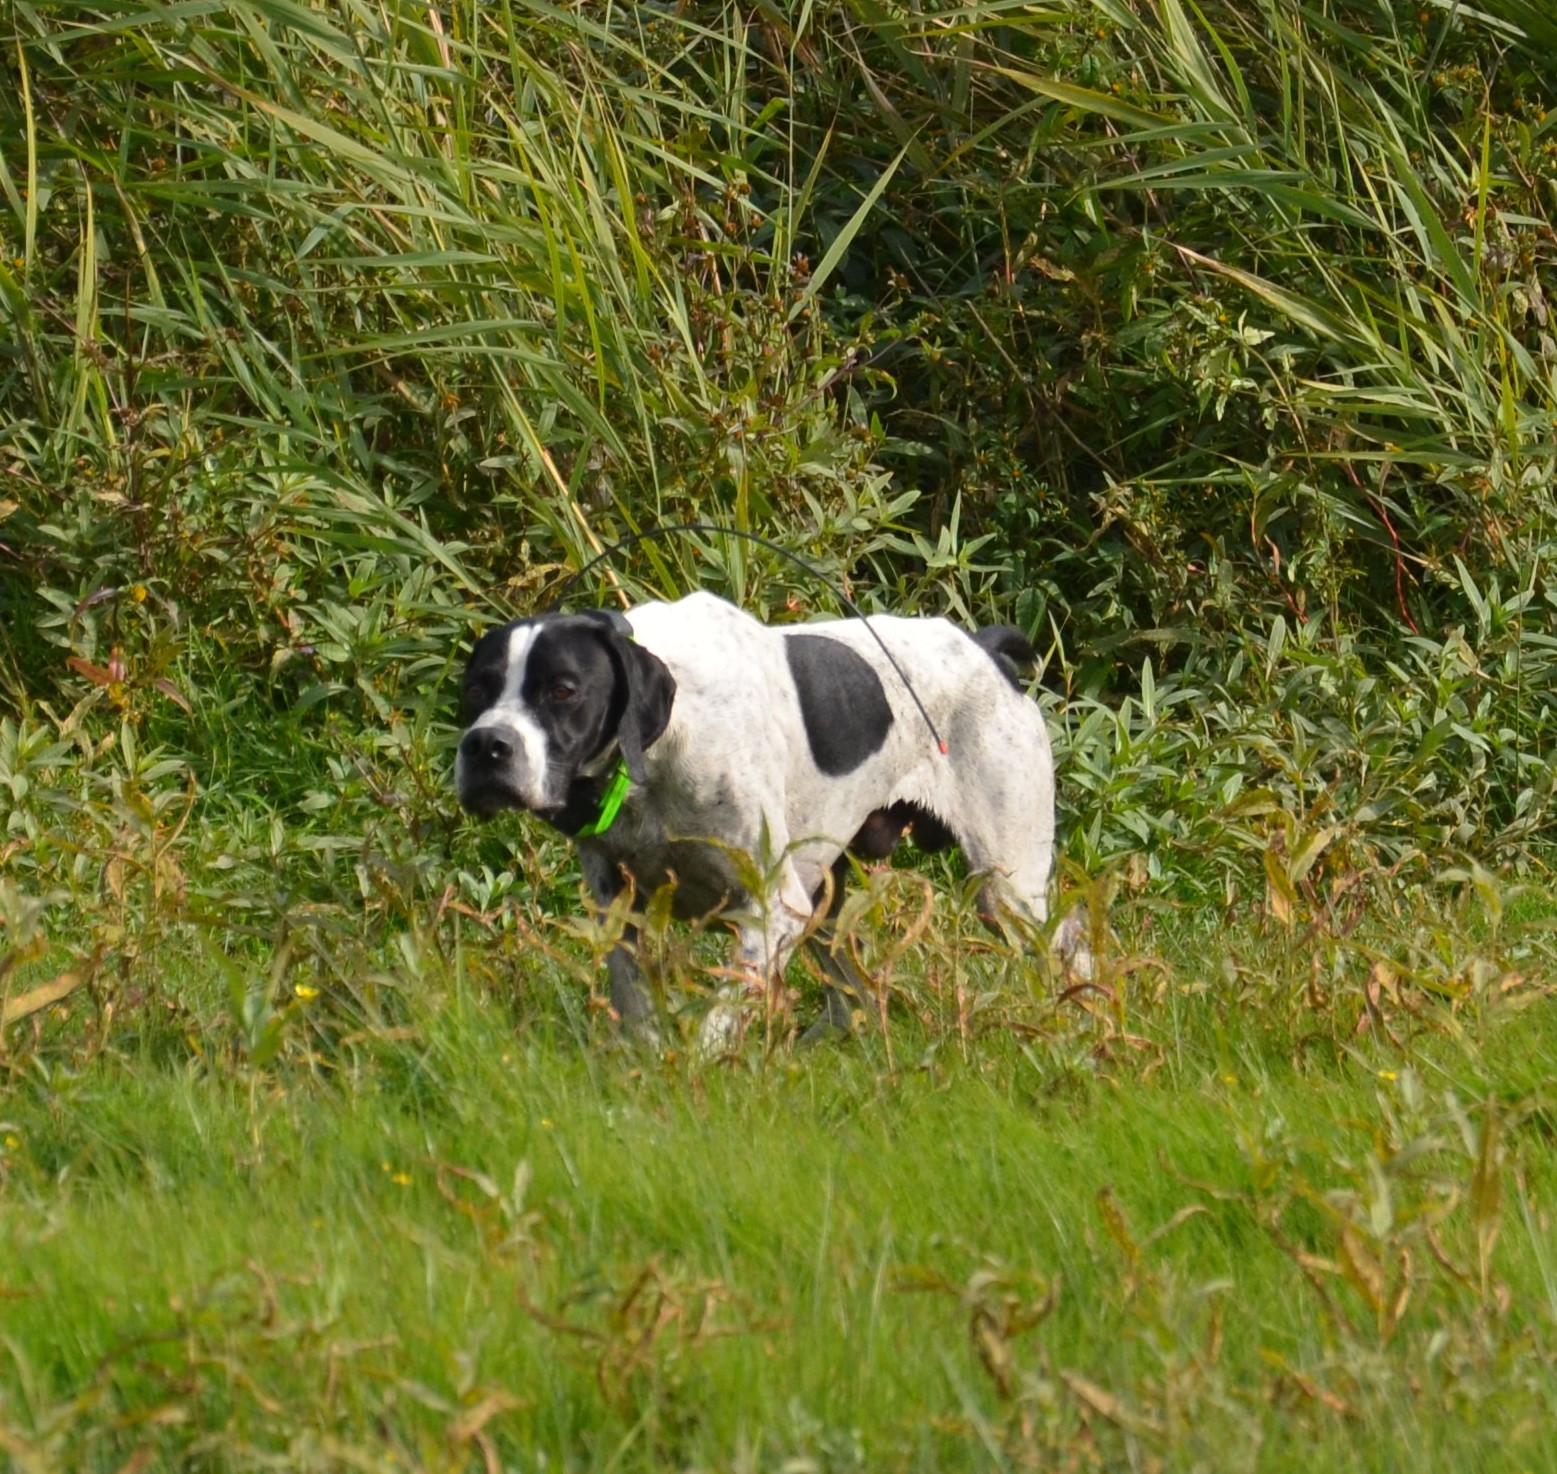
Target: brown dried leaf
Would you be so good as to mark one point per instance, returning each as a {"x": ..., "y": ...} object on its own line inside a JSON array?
[
  {"x": 98, "y": 675},
  {"x": 1305, "y": 1384},
  {"x": 1401, "y": 1297},
  {"x": 1104, "y": 1403},
  {"x": 1118, "y": 1226},
  {"x": 28, "y": 1003},
  {"x": 470, "y": 1422},
  {"x": 1362, "y": 1268},
  {"x": 1279, "y": 894},
  {"x": 1486, "y": 1189},
  {"x": 168, "y": 689}
]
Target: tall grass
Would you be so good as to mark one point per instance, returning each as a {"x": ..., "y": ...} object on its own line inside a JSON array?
[{"x": 1218, "y": 1240}]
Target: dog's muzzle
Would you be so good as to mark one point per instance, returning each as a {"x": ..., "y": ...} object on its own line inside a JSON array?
[{"x": 488, "y": 773}]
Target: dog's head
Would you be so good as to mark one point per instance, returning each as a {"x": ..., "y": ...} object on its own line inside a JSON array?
[{"x": 543, "y": 700}]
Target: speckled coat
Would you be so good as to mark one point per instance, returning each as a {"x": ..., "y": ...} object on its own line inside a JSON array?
[{"x": 782, "y": 746}]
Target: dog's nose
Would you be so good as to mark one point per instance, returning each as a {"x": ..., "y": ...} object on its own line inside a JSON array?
[{"x": 485, "y": 745}]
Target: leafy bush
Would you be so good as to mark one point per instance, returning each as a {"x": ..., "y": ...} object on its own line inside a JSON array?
[{"x": 1212, "y": 346}]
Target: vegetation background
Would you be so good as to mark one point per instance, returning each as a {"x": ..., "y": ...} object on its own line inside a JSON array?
[{"x": 1210, "y": 343}]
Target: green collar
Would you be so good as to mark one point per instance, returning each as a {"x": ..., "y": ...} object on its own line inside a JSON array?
[{"x": 610, "y": 803}]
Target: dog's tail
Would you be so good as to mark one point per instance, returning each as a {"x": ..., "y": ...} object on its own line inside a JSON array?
[{"x": 1009, "y": 648}]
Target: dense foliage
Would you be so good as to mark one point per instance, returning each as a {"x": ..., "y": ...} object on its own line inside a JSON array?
[{"x": 1213, "y": 347}]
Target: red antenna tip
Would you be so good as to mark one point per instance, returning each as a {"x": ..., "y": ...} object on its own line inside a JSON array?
[{"x": 944, "y": 749}]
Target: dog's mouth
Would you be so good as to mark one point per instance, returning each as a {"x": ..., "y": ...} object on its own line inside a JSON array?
[
  {"x": 488, "y": 798},
  {"x": 487, "y": 783},
  {"x": 489, "y": 794}
]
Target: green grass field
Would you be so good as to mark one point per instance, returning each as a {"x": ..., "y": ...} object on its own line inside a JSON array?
[{"x": 1275, "y": 1220}]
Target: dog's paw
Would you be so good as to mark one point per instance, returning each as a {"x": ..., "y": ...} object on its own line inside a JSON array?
[
  {"x": 642, "y": 1033},
  {"x": 724, "y": 1026},
  {"x": 1073, "y": 945},
  {"x": 835, "y": 1023}
]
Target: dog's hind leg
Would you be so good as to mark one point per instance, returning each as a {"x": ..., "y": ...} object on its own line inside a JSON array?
[
  {"x": 876, "y": 839},
  {"x": 1016, "y": 856},
  {"x": 1020, "y": 884},
  {"x": 845, "y": 989}
]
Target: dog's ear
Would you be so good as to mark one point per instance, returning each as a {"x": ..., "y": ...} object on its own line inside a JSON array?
[{"x": 647, "y": 687}]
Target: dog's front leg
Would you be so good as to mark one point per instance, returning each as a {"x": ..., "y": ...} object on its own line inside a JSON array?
[
  {"x": 764, "y": 944},
  {"x": 759, "y": 970},
  {"x": 630, "y": 1000}
]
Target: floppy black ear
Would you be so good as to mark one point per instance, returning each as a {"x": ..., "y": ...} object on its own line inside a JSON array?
[{"x": 647, "y": 686}]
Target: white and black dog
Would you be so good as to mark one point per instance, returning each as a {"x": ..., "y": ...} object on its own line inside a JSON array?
[{"x": 674, "y": 738}]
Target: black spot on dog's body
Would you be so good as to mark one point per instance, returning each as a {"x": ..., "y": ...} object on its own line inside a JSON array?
[{"x": 842, "y": 705}]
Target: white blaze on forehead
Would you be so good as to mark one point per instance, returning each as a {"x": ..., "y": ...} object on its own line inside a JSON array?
[
  {"x": 510, "y": 711},
  {"x": 519, "y": 642}
]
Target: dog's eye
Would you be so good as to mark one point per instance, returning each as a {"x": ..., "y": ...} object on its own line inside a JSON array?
[{"x": 563, "y": 691}]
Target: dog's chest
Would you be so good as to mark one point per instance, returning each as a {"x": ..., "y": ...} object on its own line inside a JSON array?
[{"x": 706, "y": 876}]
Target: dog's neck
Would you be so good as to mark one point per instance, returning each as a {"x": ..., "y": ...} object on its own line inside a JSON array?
[
  {"x": 602, "y": 764},
  {"x": 594, "y": 797}
]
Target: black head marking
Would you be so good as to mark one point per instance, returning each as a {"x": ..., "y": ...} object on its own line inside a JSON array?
[
  {"x": 842, "y": 703},
  {"x": 645, "y": 689},
  {"x": 486, "y": 671},
  {"x": 577, "y": 684},
  {"x": 570, "y": 686}
]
